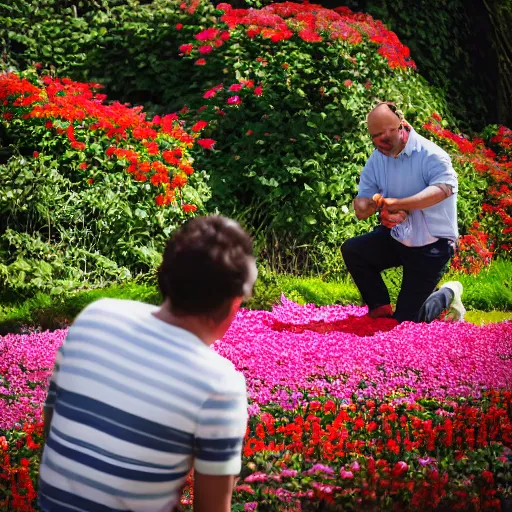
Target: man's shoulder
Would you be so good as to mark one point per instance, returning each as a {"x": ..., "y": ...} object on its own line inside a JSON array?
[
  {"x": 229, "y": 378},
  {"x": 428, "y": 148},
  {"x": 106, "y": 309}
]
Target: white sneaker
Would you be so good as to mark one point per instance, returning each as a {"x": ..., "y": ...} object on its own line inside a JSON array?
[{"x": 456, "y": 311}]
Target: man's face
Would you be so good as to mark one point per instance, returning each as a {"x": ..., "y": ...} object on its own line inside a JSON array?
[{"x": 385, "y": 131}]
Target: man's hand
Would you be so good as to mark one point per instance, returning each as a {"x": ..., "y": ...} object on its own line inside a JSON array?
[
  {"x": 364, "y": 207},
  {"x": 390, "y": 220}
]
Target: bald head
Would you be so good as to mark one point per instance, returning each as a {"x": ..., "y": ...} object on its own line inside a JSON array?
[{"x": 384, "y": 129}]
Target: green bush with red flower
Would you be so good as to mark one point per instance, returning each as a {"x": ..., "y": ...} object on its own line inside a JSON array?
[
  {"x": 279, "y": 95},
  {"x": 90, "y": 189}
]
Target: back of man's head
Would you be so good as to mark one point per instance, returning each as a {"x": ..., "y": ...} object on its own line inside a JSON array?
[{"x": 206, "y": 264}]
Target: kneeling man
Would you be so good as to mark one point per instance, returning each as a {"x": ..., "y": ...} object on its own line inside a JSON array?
[{"x": 410, "y": 183}]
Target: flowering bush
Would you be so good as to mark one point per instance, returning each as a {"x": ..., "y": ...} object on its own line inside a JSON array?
[
  {"x": 344, "y": 411},
  {"x": 286, "y": 89},
  {"x": 87, "y": 180},
  {"x": 495, "y": 164},
  {"x": 280, "y": 96},
  {"x": 474, "y": 252}
]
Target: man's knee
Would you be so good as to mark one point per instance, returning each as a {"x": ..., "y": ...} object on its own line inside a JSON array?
[{"x": 349, "y": 248}]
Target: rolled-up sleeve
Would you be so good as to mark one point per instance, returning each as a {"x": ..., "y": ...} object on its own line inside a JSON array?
[{"x": 439, "y": 171}]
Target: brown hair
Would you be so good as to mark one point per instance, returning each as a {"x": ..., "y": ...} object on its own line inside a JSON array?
[{"x": 206, "y": 263}]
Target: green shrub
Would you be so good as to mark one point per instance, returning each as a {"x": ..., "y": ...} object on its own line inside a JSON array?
[
  {"x": 287, "y": 114},
  {"x": 90, "y": 191},
  {"x": 489, "y": 290}
]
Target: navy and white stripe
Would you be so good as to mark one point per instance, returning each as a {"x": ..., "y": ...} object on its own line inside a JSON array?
[{"x": 137, "y": 403}]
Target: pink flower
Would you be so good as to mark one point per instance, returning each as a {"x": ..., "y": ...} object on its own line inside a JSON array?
[
  {"x": 348, "y": 83},
  {"x": 355, "y": 466},
  {"x": 348, "y": 475},
  {"x": 256, "y": 477},
  {"x": 235, "y": 87},
  {"x": 234, "y": 100}
]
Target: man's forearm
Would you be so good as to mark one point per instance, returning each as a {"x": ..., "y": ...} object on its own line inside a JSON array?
[
  {"x": 364, "y": 207},
  {"x": 428, "y": 197}
]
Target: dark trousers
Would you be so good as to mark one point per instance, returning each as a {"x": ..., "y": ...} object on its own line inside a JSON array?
[{"x": 366, "y": 256}]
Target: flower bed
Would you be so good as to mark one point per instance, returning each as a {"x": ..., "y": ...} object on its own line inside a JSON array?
[{"x": 345, "y": 411}]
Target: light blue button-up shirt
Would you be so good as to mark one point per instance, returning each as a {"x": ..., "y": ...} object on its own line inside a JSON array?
[{"x": 421, "y": 164}]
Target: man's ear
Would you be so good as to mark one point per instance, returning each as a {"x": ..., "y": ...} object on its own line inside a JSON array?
[{"x": 235, "y": 305}]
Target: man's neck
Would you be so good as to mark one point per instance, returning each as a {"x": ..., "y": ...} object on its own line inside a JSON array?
[
  {"x": 403, "y": 142},
  {"x": 197, "y": 325}
]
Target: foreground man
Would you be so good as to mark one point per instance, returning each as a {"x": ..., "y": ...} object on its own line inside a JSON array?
[
  {"x": 138, "y": 398},
  {"x": 410, "y": 183}
]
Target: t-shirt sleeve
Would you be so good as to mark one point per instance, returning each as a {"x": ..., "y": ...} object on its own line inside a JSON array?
[
  {"x": 367, "y": 182},
  {"x": 439, "y": 171},
  {"x": 221, "y": 428}
]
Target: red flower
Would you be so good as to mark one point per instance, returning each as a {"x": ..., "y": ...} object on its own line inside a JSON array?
[
  {"x": 199, "y": 126},
  {"x": 186, "y": 48},
  {"x": 207, "y": 35},
  {"x": 234, "y": 100},
  {"x": 82, "y": 166},
  {"x": 253, "y": 32},
  {"x": 488, "y": 477},
  {"x": 258, "y": 91},
  {"x": 310, "y": 37},
  {"x": 179, "y": 26},
  {"x": 35, "y": 154},
  {"x": 235, "y": 87},
  {"x": 225, "y": 36},
  {"x": 206, "y": 49},
  {"x": 206, "y": 143},
  {"x": 200, "y": 62}
]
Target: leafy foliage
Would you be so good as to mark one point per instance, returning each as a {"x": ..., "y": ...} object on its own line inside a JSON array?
[
  {"x": 90, "y": 191},
  {"x": 279, "y": 94}
]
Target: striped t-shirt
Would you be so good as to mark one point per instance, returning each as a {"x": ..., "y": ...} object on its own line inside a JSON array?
[{"x": 137, "y": 404}]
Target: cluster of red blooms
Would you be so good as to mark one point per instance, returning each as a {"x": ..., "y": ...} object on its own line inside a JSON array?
[
  {"x": 76, "y": 111},
  {"x": 18, "y": 468},
  {"x": 474, "y": 252},
  {"x": 498, "y": 169},
  {"x": 312, "y": 23},
  {"x": 359, "y": 325},
  {"x": 504, "y": 138},
  {"x": 396, "y": 448}
]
